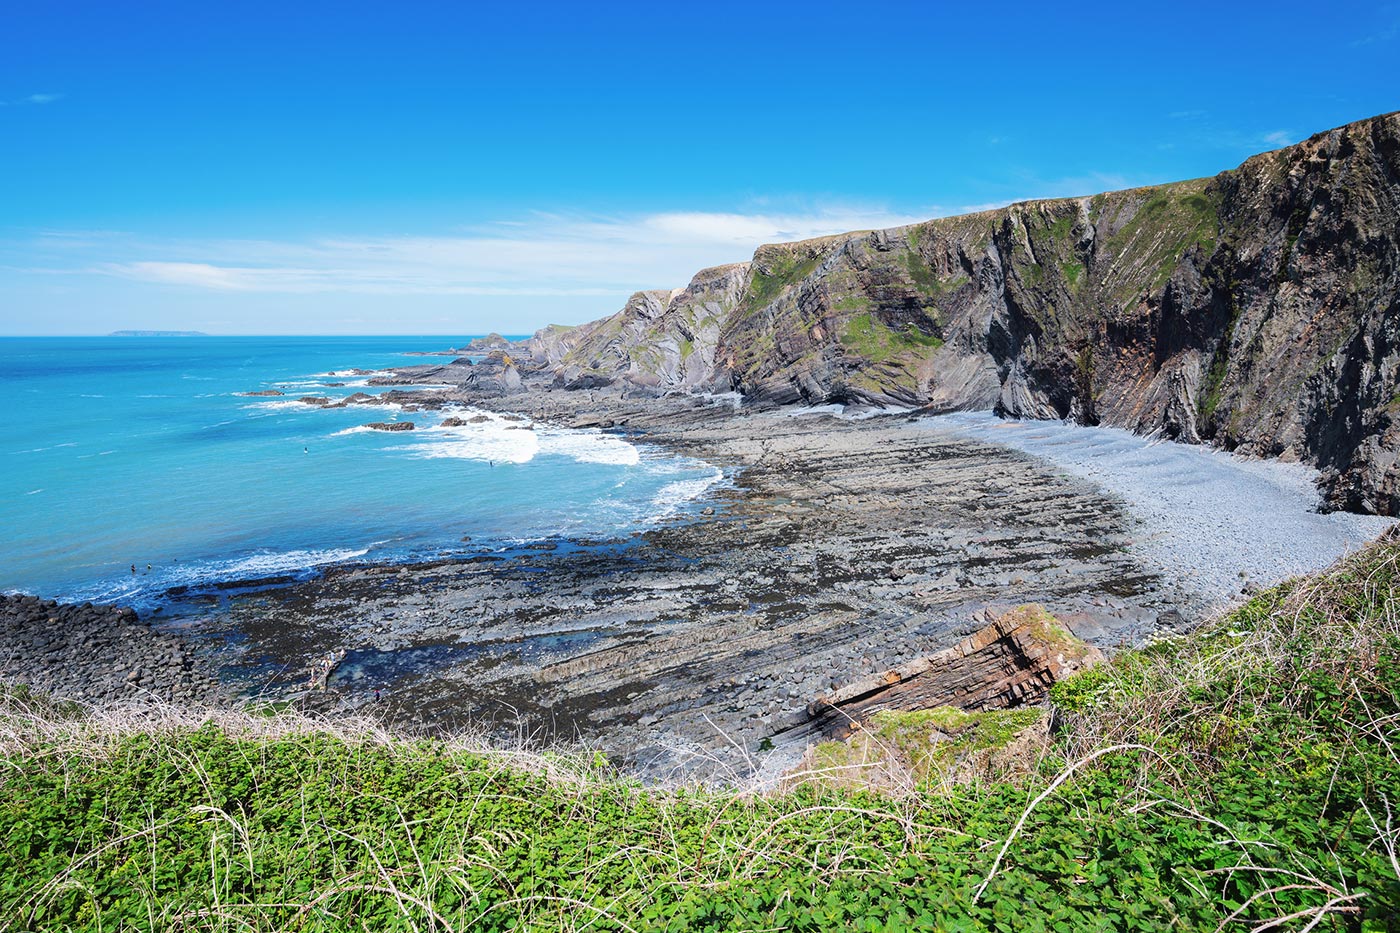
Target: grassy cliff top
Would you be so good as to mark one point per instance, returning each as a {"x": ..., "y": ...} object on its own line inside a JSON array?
[{"x": 1243, "y": 778}]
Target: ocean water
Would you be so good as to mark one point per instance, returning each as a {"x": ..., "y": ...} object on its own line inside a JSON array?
[{"x": 128, "y": 451}]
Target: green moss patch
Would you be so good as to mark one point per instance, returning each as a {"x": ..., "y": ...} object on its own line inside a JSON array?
[{"x": 868, "y": 337}]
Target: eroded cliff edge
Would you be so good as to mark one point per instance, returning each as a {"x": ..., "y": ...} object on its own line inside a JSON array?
[{"x": 1258, "y": 310}]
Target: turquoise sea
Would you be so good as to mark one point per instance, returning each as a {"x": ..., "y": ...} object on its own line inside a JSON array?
[{"x": 132, "y": 451}]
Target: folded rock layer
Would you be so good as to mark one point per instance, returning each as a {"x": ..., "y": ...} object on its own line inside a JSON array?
[{"x": 1258, "y": 310}]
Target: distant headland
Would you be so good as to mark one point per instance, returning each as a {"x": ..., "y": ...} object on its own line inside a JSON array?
[{"x": 157, "y": 333}]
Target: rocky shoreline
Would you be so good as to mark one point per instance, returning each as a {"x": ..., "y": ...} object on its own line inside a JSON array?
[
  {"x": 842, "y": 547},
  {"x": 98, "y": 654}
]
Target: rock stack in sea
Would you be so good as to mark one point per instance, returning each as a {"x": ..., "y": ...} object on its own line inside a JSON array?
[{"x": 97, "y": 653}]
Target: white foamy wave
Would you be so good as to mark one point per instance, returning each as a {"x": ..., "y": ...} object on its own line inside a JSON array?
[
  {"x": 255, "y": 566},
  {"x": 491, "y": 441},
  {"x": 301, "y": 384},
  {"x": 280, "y": 404},
  {"x": 267, "y": 563},
  {"x": 38, "y": 450},
  {"x": 358, "y": 429},
  {"x": 507, "y": 439},
  {"x": 671, "y": 498},
  {"x": 589, "y": 447},
  {"x": 345, "y": 373}
]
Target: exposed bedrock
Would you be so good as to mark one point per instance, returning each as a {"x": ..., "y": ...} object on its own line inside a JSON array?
[
  {"x": 1011, "y": 662},
  {"x": 1258, "y": 310}
]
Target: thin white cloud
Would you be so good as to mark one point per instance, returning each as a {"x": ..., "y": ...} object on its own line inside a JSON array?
[
  {"x": 1388, "y": 27},
  {"x": 546, "y": 255},
  {"x": 1279, "y": 138},
  {"x": 199, "y": 274},
  {"x": 34, "y": 99}
]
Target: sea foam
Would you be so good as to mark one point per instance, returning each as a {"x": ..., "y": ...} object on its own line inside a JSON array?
[{"x": 506, "y": 439}]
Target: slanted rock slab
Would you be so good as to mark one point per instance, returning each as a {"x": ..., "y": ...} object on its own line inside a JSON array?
[{"x": 1011, "y": 662}]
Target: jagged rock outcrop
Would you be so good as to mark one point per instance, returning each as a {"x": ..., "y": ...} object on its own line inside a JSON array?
[
  {"x": 1258, "y": 310},
  {"x": 1011, "y": 662},
  {"x": 659, "y": 341}
]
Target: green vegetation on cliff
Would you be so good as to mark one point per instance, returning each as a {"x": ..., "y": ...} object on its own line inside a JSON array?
[
  {"x": 875, "y": 341},
  {"x": 1244, "y": 778},
  {"x": 1251, "y": 309}
]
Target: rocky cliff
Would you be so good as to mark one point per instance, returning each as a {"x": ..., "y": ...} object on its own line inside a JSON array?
[{"x": 1258, "y": 310}]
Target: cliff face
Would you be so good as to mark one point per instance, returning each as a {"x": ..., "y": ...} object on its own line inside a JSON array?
[
  {"x": 659, "y": 340},
  {"x": 1258, "y": 310}
]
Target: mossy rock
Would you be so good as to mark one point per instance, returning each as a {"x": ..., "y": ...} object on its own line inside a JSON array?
[{"x": 936, "y": 747}]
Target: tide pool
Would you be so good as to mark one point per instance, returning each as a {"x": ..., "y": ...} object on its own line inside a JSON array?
[{"x": 145, "y": 452}]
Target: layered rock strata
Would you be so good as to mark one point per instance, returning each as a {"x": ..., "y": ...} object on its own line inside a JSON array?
[
  {"x": 1258, "y": 310},
  {"x": 1011, "y": 662}
]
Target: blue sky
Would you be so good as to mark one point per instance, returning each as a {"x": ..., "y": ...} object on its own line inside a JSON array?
[{"x": 414, "y": 167}]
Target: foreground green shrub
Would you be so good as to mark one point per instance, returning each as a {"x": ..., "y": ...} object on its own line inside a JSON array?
[{"x": 1254, "y": 781}]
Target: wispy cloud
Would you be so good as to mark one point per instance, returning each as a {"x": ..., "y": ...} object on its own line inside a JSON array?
[
  {"x": 1386, "y": 30},
  {"x": 34, "y": 99},
  {"x": 1072, "y": 187},
  {"x": 1206, "y": 134},
  {"x": 543, "y": 254}
]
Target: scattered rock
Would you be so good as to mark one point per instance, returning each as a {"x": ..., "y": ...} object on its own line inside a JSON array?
[{"x": 96, "y": 653}]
